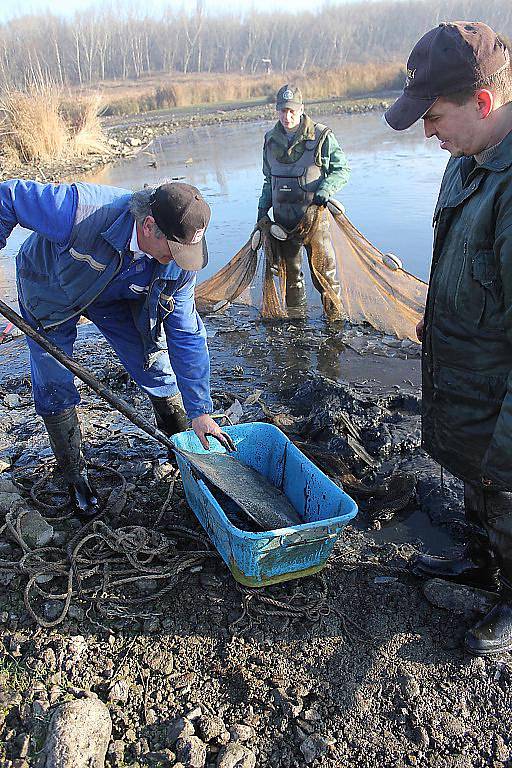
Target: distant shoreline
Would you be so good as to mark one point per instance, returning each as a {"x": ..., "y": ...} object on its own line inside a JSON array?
[{"x": 127, "y": 135}]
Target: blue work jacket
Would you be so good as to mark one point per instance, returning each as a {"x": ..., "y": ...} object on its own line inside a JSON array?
[{"x": 81, "y": 233}]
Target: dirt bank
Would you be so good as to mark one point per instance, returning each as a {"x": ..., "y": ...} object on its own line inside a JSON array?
[{"x": 366, "y": 672}]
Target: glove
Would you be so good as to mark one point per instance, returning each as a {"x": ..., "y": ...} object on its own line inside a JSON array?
[
  {"x": 262, "y": 215},
  {"x": 321, "y": 198}
]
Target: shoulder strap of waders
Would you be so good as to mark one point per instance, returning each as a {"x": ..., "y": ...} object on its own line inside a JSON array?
[{"x": 321, "y": 133}]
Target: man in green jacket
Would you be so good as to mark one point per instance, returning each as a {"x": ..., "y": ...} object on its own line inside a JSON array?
[
  {"x": 459, "y": 82},
  {"x": 302, "y": 164}
]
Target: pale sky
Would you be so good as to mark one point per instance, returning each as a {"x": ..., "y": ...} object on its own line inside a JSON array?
[{"x": 68, "y": 7}]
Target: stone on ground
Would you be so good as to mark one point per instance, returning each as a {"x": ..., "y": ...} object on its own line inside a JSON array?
[
  {"x": 78, "y": 735},
  {"x": 458, "y": 597},
  {"x": 191, "y": 751},
  {"x": 235, "y": 755},
  {"x": 35, "y": 530}
]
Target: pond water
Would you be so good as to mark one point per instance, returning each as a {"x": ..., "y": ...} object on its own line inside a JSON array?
[{"x": 390, "y": 196}]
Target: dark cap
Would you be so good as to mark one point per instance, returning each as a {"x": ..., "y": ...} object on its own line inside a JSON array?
[
  {"x": 289, "y": 97},
  {"x": 182, "y": 214},
  {"x": 450, "y": 58}
]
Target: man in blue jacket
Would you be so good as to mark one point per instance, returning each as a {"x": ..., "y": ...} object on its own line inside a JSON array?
[{"x": 128, "y": 262}]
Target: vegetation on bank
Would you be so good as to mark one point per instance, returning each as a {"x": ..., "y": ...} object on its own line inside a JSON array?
[
  {"x": 46, "y": 124},
  {"x": 40, "y": 125},
  {"x": 183, "y": 91}
]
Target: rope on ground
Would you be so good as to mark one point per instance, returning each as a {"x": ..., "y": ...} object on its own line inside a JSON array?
[
  {"x": 101, "y": 566},
  {"x": 61, "y": 510},
  {"x": 168, "y": 499},
  {"x": 104, "y": 560},
  {"x": 309, "y": 606},
  {"x": 100, "y": 562}
]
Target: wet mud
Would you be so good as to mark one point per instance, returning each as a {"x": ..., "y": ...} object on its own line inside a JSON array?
[{"x": 352, "y": 666}]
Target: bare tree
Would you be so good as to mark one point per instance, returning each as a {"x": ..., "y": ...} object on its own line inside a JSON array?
[{"x": 120, "y": 41}]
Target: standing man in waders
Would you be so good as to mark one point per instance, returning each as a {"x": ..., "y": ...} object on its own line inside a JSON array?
[
  {"x": 302, "y": 164},
  {"x": 459, "y": 82}
]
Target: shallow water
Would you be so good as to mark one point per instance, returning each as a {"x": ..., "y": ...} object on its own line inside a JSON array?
[{"x": 390, "y": 196}]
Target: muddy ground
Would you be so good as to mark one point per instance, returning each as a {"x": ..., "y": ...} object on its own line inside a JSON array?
[{"x": 354, "y": 667}]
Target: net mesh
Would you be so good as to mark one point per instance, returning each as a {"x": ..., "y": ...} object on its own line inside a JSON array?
[{"x": 390, "y": 301}]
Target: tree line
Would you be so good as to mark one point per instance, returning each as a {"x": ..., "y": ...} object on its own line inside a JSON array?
[{"x": 110, "y": 43}]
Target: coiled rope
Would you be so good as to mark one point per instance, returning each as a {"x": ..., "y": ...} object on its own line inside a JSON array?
[{"x": 100, "y": 563}]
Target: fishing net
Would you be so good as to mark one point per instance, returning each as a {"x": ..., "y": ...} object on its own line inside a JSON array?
[{"x": 390, "y": 300}]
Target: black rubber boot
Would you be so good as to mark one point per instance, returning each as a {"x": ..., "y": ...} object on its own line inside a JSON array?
[
  {"x": 475, "y": 566},
  {"x": 170, "y": 414},
  {"x": 66, "y": 443},
  {"x": 170, "y": 418},
  {"x": 493, "y": 634},
  {"x": 291, "y": 251}
]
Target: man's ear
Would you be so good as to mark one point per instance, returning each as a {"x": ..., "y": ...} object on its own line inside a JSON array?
[
  {"x": 148, "y": 226},
  {"x": 485, "y": 102}
]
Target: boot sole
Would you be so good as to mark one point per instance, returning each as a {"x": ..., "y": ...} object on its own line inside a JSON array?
[
  {"x": 488, "y": 652},
  {"x": 489, "y": 585}
]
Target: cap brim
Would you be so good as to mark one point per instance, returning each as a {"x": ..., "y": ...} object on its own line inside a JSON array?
[
  {"x": 406, "y": 111},
  {"x": 190, "y": 257},
  {"x": 288, "y": 105}
]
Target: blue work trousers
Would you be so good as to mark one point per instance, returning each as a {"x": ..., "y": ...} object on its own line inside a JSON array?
[{"x": 53, "y": 385}]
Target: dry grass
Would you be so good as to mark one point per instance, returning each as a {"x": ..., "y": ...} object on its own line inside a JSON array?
[
  {"x": 33, "y": 128},
  {"x": 83, "y": 122},
  {"x": 189, "y": 90},
  {"x": 38, "y": 126}
]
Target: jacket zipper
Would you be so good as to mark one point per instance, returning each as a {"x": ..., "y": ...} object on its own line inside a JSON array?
[{"x": 461, "y": 275}]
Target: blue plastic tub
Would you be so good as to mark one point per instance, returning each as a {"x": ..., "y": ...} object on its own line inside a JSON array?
[{"x": 258, "y": 559}]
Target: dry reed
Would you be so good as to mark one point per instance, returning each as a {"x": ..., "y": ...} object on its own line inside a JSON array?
[
  {"x": 190, "y": 90},
  {"x": 33, "y": 128},
  {"x": 38, "y": 127},
  {"x": 84, "y": 125}
]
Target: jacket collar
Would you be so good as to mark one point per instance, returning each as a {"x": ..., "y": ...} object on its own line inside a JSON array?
[
  {"x": 502, "y": 159},
  {"x": 169, "y": 271},
  {"x": 460, "y": 186},
  {"x": 305, "y": 132},
  {"x": 120, "y": 231},
  {"x": 119, "y": 235}
]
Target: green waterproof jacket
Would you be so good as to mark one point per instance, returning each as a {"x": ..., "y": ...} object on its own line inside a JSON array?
[
  {"x": 331, "y": 159},
  {"x": 467, "y": 345}
]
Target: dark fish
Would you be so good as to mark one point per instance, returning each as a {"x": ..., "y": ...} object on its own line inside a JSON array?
[{"x": 261, "y": 501}]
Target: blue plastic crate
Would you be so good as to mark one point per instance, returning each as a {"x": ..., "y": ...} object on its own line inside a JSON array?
[{"x": 258, "y": 559}]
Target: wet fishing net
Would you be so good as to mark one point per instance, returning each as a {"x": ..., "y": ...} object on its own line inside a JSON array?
[{"x": 374, "y": 289}]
